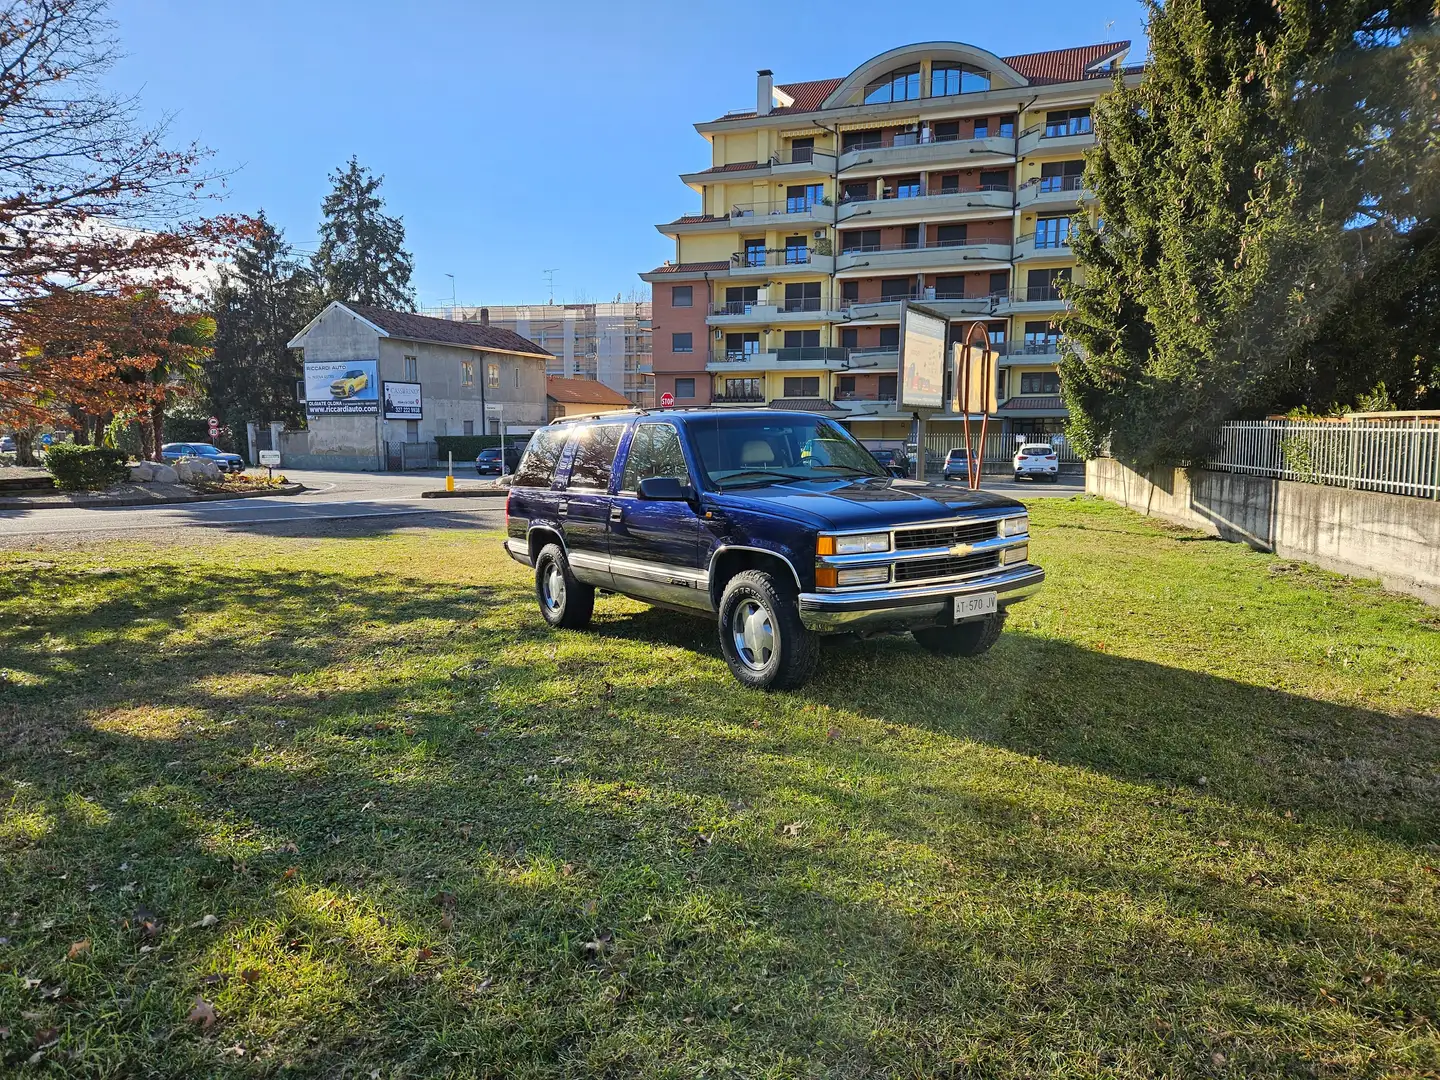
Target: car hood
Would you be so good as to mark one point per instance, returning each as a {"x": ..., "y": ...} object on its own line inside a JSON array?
[{"x": 861, "y": 504}]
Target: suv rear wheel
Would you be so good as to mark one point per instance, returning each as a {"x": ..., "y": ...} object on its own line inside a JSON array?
[
  {"x": 963, "y": 639},
  {"x": 564, "y": 601},
  {"x": 761, "y": 635}
]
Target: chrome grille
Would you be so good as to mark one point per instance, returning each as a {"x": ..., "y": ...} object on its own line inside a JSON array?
[
  {"x": 945, "y": 566},
  {"x": 932, "y": 536}
]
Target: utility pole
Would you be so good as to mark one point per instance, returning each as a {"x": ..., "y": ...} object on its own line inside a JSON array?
[{"x": 452, "y": 295}]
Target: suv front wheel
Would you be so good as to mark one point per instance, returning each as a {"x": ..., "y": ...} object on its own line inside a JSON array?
[
  {"x": 761, "y": 635},
  {"x": 564, "y": 601}
]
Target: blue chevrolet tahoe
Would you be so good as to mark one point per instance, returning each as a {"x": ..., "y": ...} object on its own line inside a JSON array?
[{"x": 777, "y": 524}]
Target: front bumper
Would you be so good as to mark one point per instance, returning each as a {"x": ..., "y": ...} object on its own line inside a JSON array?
[{"x": 921, "y": 605}]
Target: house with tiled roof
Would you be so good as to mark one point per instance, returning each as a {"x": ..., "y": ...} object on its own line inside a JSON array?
[
  {"x": 581, "y": 397},
  {"x": 936, "y": 173},
  {"x": 381, "y": 385}
]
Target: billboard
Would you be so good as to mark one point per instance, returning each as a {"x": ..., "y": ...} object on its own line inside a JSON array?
[
  {"x": 341, "y": 387},
  {"x": 402, "y": 401},
  {"x": 922, "y": 358}
]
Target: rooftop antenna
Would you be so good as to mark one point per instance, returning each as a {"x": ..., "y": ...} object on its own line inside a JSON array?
[
  {"x": 1109, "y": 26},
  {"x": 452, "y": 294},
  {"x": 550, "y": 278}
]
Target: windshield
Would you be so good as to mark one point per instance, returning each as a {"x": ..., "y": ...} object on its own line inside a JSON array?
[
  {"x": 1035, "y": 450},
  {"x": 750, "y": 450}
]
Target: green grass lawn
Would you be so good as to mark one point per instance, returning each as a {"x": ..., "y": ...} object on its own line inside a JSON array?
[{"x": 352, "y": 796}]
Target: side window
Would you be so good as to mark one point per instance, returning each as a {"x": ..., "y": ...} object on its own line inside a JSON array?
[
  {"x": 594, "y": 454},
  {"x": 538, "y": 465},
  {"x": 654, "y": 451}
]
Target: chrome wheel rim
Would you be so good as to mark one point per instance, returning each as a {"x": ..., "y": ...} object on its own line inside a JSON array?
[
  {"x": 753, "y": 629},
  {"x": 552, "y": 587}
]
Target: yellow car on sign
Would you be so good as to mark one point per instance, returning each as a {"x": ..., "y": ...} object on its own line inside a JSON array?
[{"x": 349, "y": 384}]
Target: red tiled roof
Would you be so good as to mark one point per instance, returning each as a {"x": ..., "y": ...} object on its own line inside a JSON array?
[
  {"x": 691, "y": 268},
  {"x": 734, "y": 166},
  {"x": 582, "y": 392},
  {"x": 412, "y": 327},
  {"x": 1064, "y": 65},
  {"x": 1052, "y": 66},
  {"x": 1036, "y": 403},
  {"x": 696, "y": 219}
]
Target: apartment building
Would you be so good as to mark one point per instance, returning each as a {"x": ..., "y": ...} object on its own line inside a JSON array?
[
  {"x": 609, "y": 343},
  {"x": 936, "y": 172}
]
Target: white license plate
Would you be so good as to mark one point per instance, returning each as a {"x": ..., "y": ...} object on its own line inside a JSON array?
[{"x": 975, "y": 606}]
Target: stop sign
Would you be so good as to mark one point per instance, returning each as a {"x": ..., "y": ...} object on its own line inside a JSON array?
[{"x": 667, "y": 400}]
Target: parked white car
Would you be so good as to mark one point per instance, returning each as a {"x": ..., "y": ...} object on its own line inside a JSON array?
[{"x": 1037, "y": 461}]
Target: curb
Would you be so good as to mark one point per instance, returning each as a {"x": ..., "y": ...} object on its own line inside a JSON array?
[
  {"x": 466, "y": 493},
  {"x": 210, "y": 496}
]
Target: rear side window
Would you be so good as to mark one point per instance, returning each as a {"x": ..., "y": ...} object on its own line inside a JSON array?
[
  {"x": 654, "y": 451},
  {"x": 538, "y": 465},
  {"x": 594, "y": 454}
]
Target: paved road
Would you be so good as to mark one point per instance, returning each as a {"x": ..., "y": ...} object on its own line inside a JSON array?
[{"x": 331, "y": 496}]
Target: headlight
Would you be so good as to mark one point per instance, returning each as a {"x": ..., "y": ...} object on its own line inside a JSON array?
[
  {"x": 855, "y": 544},
  {"x": 870, "y": 575},
  {"x": 1018, "y": 553},
  {"x": 1015, "y": 526}
]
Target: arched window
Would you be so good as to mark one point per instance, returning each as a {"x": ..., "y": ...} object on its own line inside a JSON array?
[
  {"x": 947, "y": 80},
  {"x": 901, "y": 85}
]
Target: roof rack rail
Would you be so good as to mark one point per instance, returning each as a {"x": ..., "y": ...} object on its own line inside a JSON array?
[{"x": 577, "y": 417}]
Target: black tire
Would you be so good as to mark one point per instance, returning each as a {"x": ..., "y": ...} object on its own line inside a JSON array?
[
  {"x": 565, "y": 603},
  {"x": 962, "y": 639},
  {"x": 778, "y": 653}
]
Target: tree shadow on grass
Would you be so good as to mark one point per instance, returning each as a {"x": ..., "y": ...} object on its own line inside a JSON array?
[{"x": 905, "y": 894}]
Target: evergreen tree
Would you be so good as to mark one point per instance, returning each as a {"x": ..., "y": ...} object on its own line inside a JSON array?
[
  {"x": 362, "y": 254},
  {"x": 1275, "y": 160},
  {"x": 260, "y": 303}
]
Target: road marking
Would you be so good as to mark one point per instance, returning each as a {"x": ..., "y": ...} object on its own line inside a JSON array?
[{"x": 175, "y": 523}]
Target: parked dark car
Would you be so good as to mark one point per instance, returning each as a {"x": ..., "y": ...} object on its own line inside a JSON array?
[
  {"x": 487, "y": 462},
  {"x": 893, "y": 461},
  {"x": 934, "y": 463},
  {"x": 7, "y": 445},
  {"x": 173, "y": 452},
  {"x": 778, "y": 525}
]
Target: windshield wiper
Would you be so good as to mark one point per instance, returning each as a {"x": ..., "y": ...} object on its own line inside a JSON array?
[
  {"x": 852, "y": 469},
  {"x": 767, "y": 476}
]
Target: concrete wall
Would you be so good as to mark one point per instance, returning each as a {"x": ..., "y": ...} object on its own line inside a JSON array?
[
  {"x": 338, "y": 442},
  {"x": 1395, "y": 538},
  {"x": 446, "y": 403}
]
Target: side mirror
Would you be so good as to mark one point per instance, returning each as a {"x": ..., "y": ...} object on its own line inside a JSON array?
[{"x": 663, "y": 489}]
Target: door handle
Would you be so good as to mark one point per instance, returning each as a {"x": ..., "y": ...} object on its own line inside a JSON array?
[
  {"x": 616, "y": 513},
  {"x": 564, "y": 506}
]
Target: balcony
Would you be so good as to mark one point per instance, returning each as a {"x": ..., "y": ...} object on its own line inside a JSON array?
[
  {"x": 875, "y": 358},
  {"x": 987, "y": 202},
  {"x": 788, "y": 163},
  {"x": 742, "y": 397},
  {"x": 1043, "y": 245},
  {"x": 749, "y": 313},
  {"x": 1040, "y": 299},
  {"x": 904, "y": 258},
  {"x": 1053, "y": 192},
  {"x": 951, "y": 305},
  {"x": 818, "y": 356},
  {"x": 911, "y": 152},
  {"x": 1021, "y": 353},
  {"x": 773, "y": 262},
  {"x": 1056, "y": 139},
  {"x": 784, "y": 214}
]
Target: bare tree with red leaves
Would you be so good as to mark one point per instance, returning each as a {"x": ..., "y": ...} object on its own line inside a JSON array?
[{"x": 99, "y": 221}]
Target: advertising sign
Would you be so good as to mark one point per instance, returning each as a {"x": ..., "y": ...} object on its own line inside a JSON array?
[
  {"x": 402, "y": 401},
  {"x": 342, "y": 387},
  {"x": 922, "y": 358}
]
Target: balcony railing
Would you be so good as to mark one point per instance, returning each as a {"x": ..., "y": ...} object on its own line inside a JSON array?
[
  {"x": 771, "y": 257},
  {"x": 855, "y": 395},
  {"x": 805, "y": 354},
  {"x": 1047, "y": 184},
  {"x": 1045, "y": 241},
  {"x": 778, "y": 208},
  {"x": 917, "y": 138},
  {"x": 870, "y": 249},
  {"x": 1060, "y": 131},
  {"x": 926, "y": 295},
  {"x": 789, "y": 304},
  {"x": 738, "y": 397},
  {"x": 874, "y": 350},
  {"x": 847, "y": 200},
  {"x": 1037, "y": 294}
]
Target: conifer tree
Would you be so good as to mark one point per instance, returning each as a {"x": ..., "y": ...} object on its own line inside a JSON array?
[
  {"x": 362, "y": 254},
  {"x": 1274, "y": 161}
]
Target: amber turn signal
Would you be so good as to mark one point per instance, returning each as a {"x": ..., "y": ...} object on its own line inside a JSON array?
[
  {"x": 825, "y": 545},
  {"x": 826, "y": 577}
]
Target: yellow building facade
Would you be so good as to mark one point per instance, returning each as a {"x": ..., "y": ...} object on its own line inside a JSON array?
[{"x": 936, "y": 172}]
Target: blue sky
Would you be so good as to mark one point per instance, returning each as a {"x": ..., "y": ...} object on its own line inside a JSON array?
[{"x": 519, "y": 137}]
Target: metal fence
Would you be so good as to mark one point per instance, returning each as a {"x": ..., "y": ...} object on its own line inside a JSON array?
[
  {"x": 1399, "y": 457},
  {"x": 400, "y": 456}
]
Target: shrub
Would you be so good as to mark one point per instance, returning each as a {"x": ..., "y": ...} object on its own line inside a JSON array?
[
  {"x": 84, "y": 468},
  {"x": 466, "y": 447}
]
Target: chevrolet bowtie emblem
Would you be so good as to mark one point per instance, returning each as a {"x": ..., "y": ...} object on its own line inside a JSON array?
[{"x": 961, "y": 549}]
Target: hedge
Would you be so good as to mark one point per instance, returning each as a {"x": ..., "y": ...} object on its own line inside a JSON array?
[
  {"x": 85, "y": 468},
  {"x": 467, "y": 447}
]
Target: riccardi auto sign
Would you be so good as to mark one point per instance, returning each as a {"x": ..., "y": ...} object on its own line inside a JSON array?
[{"x": 342, "y": 387}]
